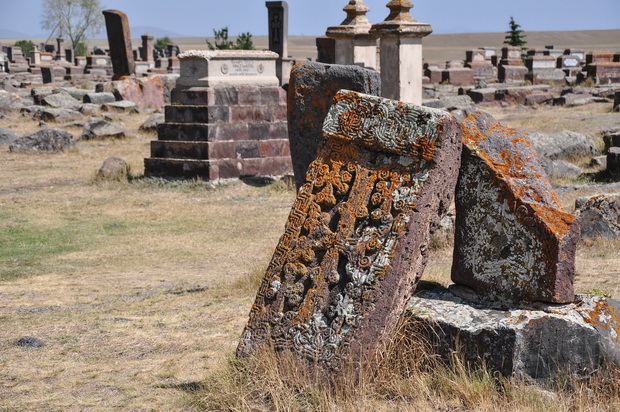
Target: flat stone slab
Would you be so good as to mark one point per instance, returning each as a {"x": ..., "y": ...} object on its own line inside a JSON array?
[
  {"x": 513, "y": 240},
  {"x": 538, "y": 342},
  {"x": 356, "y": 241},
  {"x": 227, "y": 68}
]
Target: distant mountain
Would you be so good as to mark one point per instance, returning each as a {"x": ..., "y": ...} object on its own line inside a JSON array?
[{"x": 155, "y": 31}]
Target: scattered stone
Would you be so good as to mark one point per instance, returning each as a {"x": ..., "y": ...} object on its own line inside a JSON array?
[
  {"x": 599, "y": 162},
  {"x": 61, "y": 100},
  {"x": 46, "y": 140},
  {"x": 114, "y": 169},
  {"x": 356, "y": 241},
  {"x": 611, "y": 138},
  {"x": 613, "y": 160},
  {"x": 616, "y": 106},
  {"x": 451, "y": 103},
  {"x": 99, "y": 98},
  {"x": 538, "y": 98},
  {"x": 122, "y": 106},
  {"x": 483, "y": 95},
  {"x": 30, "y": 342},
  {"x": 562, "y": 168},
  {"x": 513, "y": 240},
  {"x": 10, "y": 102},
  {"x": 57, "y": 115},
  {"x": 7, "y": 136},
  {"x": 312, "y": 87},
  {"x": 101, "y": 129},
  {"x": 564, "y": 144},
  {"x": 89, "y": 109},
  {"x": 573, "y": 99},
  {"x": 150, "y": 125},
  {"x": 600, "y": 216},
  {"x": 541, "y": 342},
  {"x": 40, "y": 93},
  {"x": 144, "y": 92}
]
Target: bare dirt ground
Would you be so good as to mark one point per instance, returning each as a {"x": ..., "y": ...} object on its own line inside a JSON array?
[{"x": 140, "y": 289}]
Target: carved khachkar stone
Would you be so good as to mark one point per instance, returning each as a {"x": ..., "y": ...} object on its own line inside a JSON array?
[
  {"x": 513, "y": 240},
  {"x": 311, "y": 90},
  {"x": 355, "y": 244},
  {"x": 119, "y": 40}
]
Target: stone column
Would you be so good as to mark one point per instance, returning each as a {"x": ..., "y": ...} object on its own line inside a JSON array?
[
  {"x": 401, "y": 52},
  {"x": 147, "y": 49},
  {"x": 60, "y": 49},
  {"x": 354, "y": 45},
  {"x": 119, "y": 40},
  {"x": 278, "y": 37}
]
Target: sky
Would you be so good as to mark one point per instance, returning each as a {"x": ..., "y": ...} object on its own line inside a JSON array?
[{"x": 198, "y": 18}]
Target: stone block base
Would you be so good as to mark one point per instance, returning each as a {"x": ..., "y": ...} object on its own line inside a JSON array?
[{"x": 538, "y": 342}]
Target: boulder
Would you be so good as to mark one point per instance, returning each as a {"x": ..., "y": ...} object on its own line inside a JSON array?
[
  {"x": 57, "y": 115},
  {"x": 41, "y": 92},
  {"x": 10, "y": 102},
  {"x": 121, "y": 106},
  {"x": 101, "y": 129},
  {"x": 513, "y": 241},
  {"x": 573, "y": 99},
  {"x": 482, "y": 95},
  {"x": 451, "y": 103},
  {"x": 7, "y": 136},
  {"x": 61, "y": 100},
  {"x": 541, "y": 342},
  {"x": 99, "y": 98},
  {"x": 150, "y": 124},
  {"x": 46, "y": 140},
  {"x": 144, "y": 92},
  {"x": 563, "y": 145},
  {"x": 562, "y": 168},
  {"x": 114, "y": 169},
  {"x": 600, "y": 216}
]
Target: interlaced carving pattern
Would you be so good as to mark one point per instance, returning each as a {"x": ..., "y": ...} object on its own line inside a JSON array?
[{"x": 343, "y": 228}]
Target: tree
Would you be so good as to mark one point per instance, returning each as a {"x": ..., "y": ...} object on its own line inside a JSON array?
[
  {"x": 26, "y": 45},
  {"x": 72, "y": 18},
  {"x": 243, "y": 42},
  {"x": 161, "y": 44},
  {"x": 515, "y": 37}
]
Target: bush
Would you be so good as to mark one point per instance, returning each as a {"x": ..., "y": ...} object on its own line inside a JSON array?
[
  {"x": 26, "y": 45},
  {"x": 243, "y": 42},
  {"x": 162, "y": 44}
]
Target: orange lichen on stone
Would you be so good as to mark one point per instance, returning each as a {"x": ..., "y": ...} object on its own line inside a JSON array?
[
  {"x": 337, "y": 277},
  {"x": 514, "y": 241}
]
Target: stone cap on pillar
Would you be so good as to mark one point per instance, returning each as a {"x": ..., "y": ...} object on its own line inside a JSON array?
[
  {"x": 356, "y": 24},
  {"x": 400, "y": 23}
]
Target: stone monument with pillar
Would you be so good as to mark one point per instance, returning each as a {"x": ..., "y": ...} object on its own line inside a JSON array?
[
  {"x": 278, "y": 38},
  {"x": 119, "y": 40},
  {"x": 401, "y": 52},
  {"x": 60, "y": 50},
  {"x": 353, "y": 43}
]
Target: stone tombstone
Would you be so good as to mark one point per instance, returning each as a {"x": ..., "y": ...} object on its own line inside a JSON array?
[
  {"x": 210, "y": 68},
  {"x": 325, "y": 50},
  {"x": 513, "y": 241},
  {"x": 173, "y": 50},
  {"x": 356, "y": 241},
  {"x": 311, "y": 90},
  {"x": 278, "y": 27},
  {"x": 146, "y": 52},
  {"x": 119, "y": 40}
]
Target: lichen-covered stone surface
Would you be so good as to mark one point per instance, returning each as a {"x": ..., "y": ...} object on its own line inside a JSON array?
[
  {"x": 600, "y": 216},
  {"x": 536, "y": 342},
  {"x": 312, "y": 86},
  {"x": 513, "y": 240},
  {"x": 356, "y": 240}
]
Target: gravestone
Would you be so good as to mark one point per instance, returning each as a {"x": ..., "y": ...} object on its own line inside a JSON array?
[
  {"x": 311, "y": 91},
  {"x": 147, "y": 50},
  {"x": 325, "y": 50},
  {"x": 510, "y": 67},
  {"x": 277, "y": 12},
  {"x": 119, "y": 40},
  {"x": 356, "y": 241},
  {"x": 513, "y": 240}
]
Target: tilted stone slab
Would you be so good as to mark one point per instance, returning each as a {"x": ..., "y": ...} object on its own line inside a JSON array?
[
  {"x": 355, "y": 244},
  {"x": 513, "y": 240},
  {"x": 540, "y": 342},
  {"x": 312, "y": 86}
]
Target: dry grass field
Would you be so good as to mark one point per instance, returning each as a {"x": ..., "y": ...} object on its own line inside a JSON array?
[{"x": 140, "y": 289}]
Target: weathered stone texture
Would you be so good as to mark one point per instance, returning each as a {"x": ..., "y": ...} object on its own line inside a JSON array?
[
  {"x": 355, "y": 244},
  {"x": 600, "y": 216},
  {"x": 541, "y": 342},
  {"x": 311, "y": 90},
  {"x": 119, "y": 39},
  {"x": 513, "y": 240},
  {"x": 45, "y": 140}
]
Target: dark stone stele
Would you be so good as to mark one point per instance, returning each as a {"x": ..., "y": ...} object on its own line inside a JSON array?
[
  {"x": 119, "y": 40},
  {"x": 356, "y": 241},
  {"x": 312, "y": 87},
  {"x": 513, "y": 242}
]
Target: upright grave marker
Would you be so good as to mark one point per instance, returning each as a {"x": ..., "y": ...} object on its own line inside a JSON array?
[
  {"x": 119, "y": 40},
  {"x": 277, "y": 12},
  {"x": 513, "y": 242},
  {"x": 356, "y": 242}
]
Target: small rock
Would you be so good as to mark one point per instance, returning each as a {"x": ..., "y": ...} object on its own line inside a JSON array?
[
  {"x": 564, "y": 144},
  {"x": 99, "y": 98},
  {"x": 46, "y": 140},
  {"x": 564, "y": 169},
  {"x": 10, "y": 102},
  {"x": 150, "y": 125},
  {"x": 89, "y": 109},
  {"x": 599, "y": 162},
  {"x": 122, "y": 106},
  {"x": 30, "y": 342},
  {"x": 101, "y": 129},
  {"x": 61, "y": 100},
  {"x": 114, "y": 168},
  {"x": 600, "y": 216},
  {"x": 57, "y": 115},
  {"x": 7, "y": 136}
]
